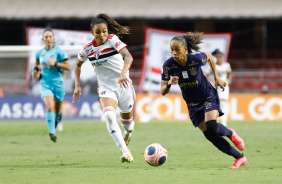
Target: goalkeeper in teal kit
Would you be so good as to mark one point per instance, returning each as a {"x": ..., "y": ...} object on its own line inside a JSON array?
[{"x": 48, "y": 68}]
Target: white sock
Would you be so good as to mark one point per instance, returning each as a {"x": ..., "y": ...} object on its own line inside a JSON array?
[
  {"x": 113, "y": 128},
  {"x": 127, "y": 124},
  {"x": 224, "y": 105}
]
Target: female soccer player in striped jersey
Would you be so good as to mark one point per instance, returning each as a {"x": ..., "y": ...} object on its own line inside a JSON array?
[
  {"x": 49, "y": 66},
  {"x": 111, "y": 61},
  {"x": 201, "y": 97},
  {"x": 225, "y": 73}
]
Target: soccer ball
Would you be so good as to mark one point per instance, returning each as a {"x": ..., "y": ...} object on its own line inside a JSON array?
[{"x": 155, "y": 154}]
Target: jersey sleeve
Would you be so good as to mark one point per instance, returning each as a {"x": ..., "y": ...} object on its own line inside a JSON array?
[
  {"x": 202, "y": 58},
  {"x": 228, "y": 68},
  {"x": 116, "y": 43},
  {"x": 165, "y": 72},
  {"x": 62, "y": 55},
  {"x": 82, "y": 55}
]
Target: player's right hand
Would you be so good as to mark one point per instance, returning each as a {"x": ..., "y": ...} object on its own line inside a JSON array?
[
  {"x": 76, "y": 93},
  {"x": 174, "y": 80}
]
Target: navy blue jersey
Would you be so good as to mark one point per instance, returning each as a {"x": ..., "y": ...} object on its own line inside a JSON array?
[{"x": 193, "y": 84}]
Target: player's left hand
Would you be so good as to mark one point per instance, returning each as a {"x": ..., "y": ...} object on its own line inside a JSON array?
[
  {"x": 220, "y": 83},
  {"x": 123, "y": 80}
]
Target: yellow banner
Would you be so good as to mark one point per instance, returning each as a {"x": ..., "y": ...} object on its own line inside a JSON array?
[{"x": 243, "y": 107}]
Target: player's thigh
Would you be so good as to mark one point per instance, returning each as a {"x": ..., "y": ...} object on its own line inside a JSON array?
[
  {"x": 107, "y": 97},
  {"x": 59, "y": 93},
  {"x": 202, "y": 126},
  {"x": 126, "y": 99},
  {"x": 211, "y": 115},
  {"x": 49, "y": 102},
  {"x": 106, "y": 101}
]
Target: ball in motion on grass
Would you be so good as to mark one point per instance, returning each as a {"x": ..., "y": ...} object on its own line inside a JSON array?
[{"x": 155, "y": 154}]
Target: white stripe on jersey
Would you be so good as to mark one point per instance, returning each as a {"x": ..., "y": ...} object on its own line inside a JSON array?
[{"x": 106, "y": 60}]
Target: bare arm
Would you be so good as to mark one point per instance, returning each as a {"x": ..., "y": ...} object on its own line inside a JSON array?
[
  {"x": 217, "y": 80},
  {"x": 165, "y": 85},
  {"x": 34, "y": 73},
  {"x": 64, "y": 65},
  {"x": 77, "y": 88},
  {"x": 127, "y": 63}
]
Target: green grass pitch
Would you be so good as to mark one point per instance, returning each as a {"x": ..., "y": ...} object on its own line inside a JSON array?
[{"x": 86, "y": 153}]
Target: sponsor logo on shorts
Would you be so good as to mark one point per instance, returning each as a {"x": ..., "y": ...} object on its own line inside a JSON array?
[
  {"x": 103, "y": 92},
  {"x": 194, "y": 104},
  {"x": 207, "y": 105},
  {"x": 130, "y": 106}
]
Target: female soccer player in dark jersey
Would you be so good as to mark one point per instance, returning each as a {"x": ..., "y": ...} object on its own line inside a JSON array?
[{"x": 201, "y": 97}]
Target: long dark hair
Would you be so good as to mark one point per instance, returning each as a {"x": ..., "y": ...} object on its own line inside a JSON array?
[
  {"x": 113, "y": 26},
  {"x": 191, "y": 40}
]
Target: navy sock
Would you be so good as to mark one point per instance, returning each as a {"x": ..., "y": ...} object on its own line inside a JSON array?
[
  {"x": 223, "y": 131},
  {"x": 217, "y": 128},
  {"x": 222, "y": 144}
]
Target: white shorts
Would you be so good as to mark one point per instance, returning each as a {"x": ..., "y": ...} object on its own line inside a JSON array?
[
  {"x": 223, "y": 95},
  {"x": 125, "y": 97}
]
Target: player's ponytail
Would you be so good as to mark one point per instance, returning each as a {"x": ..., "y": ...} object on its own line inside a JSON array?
[
  {"x": 191, "y": 40},
  {"x": 113, "y": 26}
]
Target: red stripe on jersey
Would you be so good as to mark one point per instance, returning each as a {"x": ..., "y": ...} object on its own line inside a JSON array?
[
  {"x": 93, "y": 42},
  {"x": 107, "y": 50},
  {"x": 91, "y": 54},
  {"x": 156, "y": 70},
  {"x": 110, "y": 36},
  {"x": 88, "y": 45},
  {"x": 122, "y": 48},
  {"x": 79, "y": 60}
]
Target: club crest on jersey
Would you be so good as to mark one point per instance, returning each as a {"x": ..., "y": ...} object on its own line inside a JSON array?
[
  {"x": 96, "y": 53},
  {"x": 193, "y": 71}
]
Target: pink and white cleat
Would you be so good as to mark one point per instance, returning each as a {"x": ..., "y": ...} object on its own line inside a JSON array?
[
  {"x": 239, "y": 162},
  {"x": 239, "y": 143},
  {"x": 126, "y": 158}
]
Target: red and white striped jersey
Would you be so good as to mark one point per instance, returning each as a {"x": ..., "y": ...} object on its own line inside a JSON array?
[
  {"x": 106, "y": 60},
  {"x": 222, "y": 71}
]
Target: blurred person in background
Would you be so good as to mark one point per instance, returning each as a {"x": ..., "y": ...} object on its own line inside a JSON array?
[
  {"x": 111, "y": 61},
  {"x": 58, "y": 120},
  {"x": 48, "y": 68},
  {"x": 201, "y": 97},
  {"x": 225, "y": 73}
]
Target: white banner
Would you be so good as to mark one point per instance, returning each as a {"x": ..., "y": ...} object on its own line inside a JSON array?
[
  {"x": 157, "y": 51},
  {"x": 62, "y": 38}
]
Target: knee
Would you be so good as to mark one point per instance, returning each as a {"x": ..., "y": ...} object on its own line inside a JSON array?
[
  {"x": 211, "y": 126},
  {"x": 109, "y": 113},
  {"x": 49, "y": 108}
]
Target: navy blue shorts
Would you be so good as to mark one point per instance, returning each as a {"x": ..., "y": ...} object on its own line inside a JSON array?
[{"x": 197, "y": 110}]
